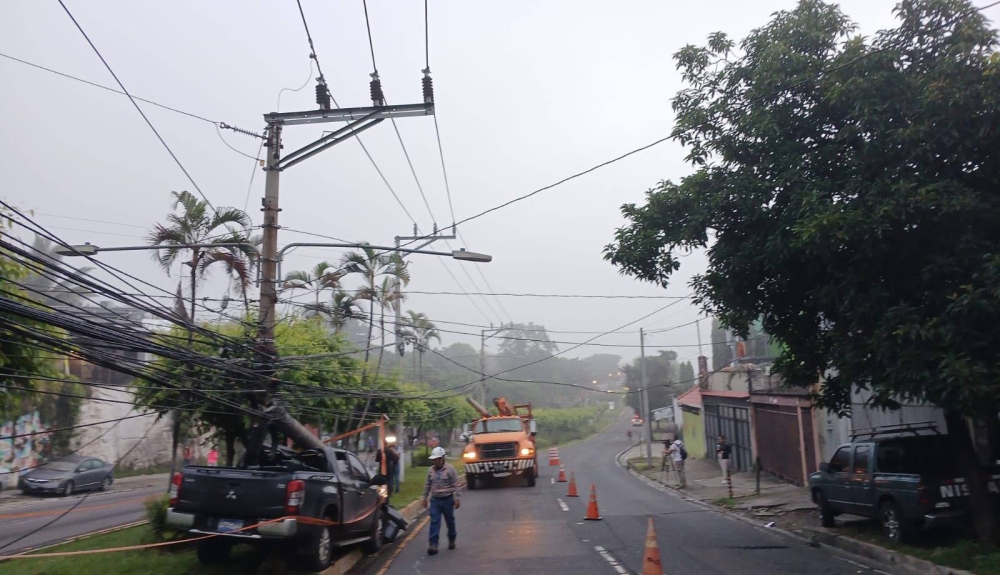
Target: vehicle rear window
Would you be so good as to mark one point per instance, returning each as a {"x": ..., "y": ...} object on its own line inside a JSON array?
[{"x": 928, "y": 455}]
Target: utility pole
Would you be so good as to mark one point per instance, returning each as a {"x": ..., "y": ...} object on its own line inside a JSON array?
[
  {"x": 435, "y": 236},
  {"x": 482, "y": 358},
  {"x": 357, "y": 120},
  {"x": 645, "y": 398},
  {"x": 697, "y": 326}
]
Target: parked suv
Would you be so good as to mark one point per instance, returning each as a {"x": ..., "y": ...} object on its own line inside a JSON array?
[{"x": 908, "y": 483}]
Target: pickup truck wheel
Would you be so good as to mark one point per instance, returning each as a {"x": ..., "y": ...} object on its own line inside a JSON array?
[
  {"x": 374, "y": 544},
  {"x": 826, "y": 514},
  {"x": 894, "y": 527},
  {"x": 211, "y": 551},
  {"x": 318, "y": 550}
]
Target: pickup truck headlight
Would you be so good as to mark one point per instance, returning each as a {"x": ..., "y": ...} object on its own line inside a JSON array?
[
  {"x": 468, "y": 455},
  {"x": 527, "y": 451}
]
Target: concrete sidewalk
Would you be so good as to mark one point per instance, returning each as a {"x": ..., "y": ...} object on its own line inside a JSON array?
[{"x": 704, "y": 483}]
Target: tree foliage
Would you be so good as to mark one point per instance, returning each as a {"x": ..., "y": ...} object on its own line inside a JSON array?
[{"x": 845, "y": 192}]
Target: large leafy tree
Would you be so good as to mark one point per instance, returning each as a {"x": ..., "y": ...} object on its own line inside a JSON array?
[{"x": 846, "y": 193}]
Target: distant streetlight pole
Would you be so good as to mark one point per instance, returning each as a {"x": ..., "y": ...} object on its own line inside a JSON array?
[{"x": 482, "y": 357}]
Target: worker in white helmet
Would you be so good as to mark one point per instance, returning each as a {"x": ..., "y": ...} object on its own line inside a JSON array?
[{"x": 441, "y": 495}]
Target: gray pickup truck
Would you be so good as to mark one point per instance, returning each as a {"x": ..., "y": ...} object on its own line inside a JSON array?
[
  {"x": 908, "y": 483},
  {"x": 329, "y": 484}
]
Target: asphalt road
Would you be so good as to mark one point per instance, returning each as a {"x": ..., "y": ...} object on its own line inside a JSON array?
[
  {"x": 519, "y": 530},
  {"x": 120, "y": 505}
]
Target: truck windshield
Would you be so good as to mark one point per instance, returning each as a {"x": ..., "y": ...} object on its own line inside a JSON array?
[{"x": 498, "y": 425}]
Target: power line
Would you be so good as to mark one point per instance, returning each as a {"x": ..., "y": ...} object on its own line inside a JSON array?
[
  {"x": 134, "y": 103},
  {"x": 544, "y": 295},
  {"x": 102, "y": 87}
]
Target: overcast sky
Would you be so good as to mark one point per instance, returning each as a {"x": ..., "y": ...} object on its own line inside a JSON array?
[{"x": 527, "y": 93}]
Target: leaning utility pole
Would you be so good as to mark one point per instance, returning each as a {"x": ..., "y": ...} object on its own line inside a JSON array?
[
  {"x": 645, "y": 398},
  {"x": 357, "y": 120}
]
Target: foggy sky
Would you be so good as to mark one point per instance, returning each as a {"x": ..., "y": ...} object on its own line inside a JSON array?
[{"x": 527, "y": 93}]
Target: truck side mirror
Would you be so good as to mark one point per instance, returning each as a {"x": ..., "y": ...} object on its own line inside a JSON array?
[
  {"x": 532, "y": 427},
  {"x": 824, "y": 467}
]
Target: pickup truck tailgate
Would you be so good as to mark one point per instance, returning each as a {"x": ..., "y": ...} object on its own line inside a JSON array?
[{"x": 235, "y": 493}]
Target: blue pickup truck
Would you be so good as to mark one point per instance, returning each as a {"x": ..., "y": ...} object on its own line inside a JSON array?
[{"x": 909, "y": 483}]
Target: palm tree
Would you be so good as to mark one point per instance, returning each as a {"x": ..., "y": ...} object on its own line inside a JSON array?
[
  {"x": 196, "y": 225},
  {"x": 373, "y": 265},
  {"x": 322, "y": 277},
  {"x": 240, "y": 263},
  {"x": 388, "y": 296},
  {"x": 422, "y": 331},
  {"x": 344, "y": 308}
]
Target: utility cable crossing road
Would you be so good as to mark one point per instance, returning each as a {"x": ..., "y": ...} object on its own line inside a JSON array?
[{"x": 520, "y": 530}]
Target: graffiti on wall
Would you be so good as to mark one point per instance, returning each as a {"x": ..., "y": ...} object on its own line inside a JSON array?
[{"x": 21, "y": 453}]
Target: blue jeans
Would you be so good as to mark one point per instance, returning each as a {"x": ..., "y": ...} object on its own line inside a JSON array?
[
  {"x": 442, "y": 506},
  {"x": 392, "y": 471}
]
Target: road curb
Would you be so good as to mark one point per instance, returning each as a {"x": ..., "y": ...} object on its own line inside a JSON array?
[
  {"x": 899, "y": 562},
  {"x": 909, "y": 563}
]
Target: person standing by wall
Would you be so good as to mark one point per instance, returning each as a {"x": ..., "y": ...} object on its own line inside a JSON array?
[
  {"x": 213, "y": 457},
  {"x": 188, "y": 454},
  {"x": 722, "y": 452}
]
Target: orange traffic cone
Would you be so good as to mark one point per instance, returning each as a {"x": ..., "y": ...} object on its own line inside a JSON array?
[
  {"x": 592, "y": 513},
  {"x": 562, "y": 475},
  {"x": 572, "y": 486},
  {"x": 651, "y": 558}
]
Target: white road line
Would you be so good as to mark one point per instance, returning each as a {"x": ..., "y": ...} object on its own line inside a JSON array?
[
  {"x": 562, "y": 504},
  {"x": 611, "y": 559},
  {"x": 552, "y": 481}
]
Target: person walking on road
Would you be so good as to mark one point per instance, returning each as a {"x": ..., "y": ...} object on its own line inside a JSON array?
[
  {"x": 679, "y": 454},
  {"x": 722, "y": 452},
  {"x": 441, "y": 495},
  {"x": 629, "y": 435}
]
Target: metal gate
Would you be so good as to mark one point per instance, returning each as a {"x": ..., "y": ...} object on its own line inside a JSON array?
[{"x": 734, "y": 423}]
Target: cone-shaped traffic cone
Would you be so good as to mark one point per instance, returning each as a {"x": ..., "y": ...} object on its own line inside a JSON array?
[
  {"x": 592, "y": 513},
  {"x": 572, "y": 486},
  {"x": 651, "y": 558},
  {"x": 562, "y": 475}
]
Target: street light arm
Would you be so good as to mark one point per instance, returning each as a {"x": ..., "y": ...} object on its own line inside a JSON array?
[{"x": 90, "y": 249}]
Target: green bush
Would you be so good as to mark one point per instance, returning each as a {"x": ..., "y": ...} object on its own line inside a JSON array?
[{"x": 156, "y": 513}]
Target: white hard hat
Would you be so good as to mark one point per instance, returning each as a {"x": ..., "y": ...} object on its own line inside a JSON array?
[{"x": 438, "y": 453}]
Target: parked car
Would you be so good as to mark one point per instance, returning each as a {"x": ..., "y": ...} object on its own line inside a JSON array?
[
  {"x": 636, "y": 421},
  {"x": 329, "y": 484},
  {"x": 67, "y": 475},
  {"x": 908, "y": 483}
]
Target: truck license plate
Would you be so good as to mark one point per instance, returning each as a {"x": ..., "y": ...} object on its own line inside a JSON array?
[{"x": 227, "y": 525}]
